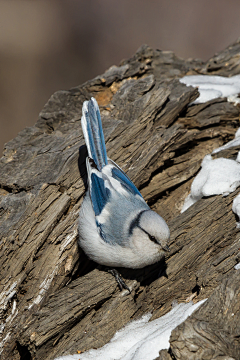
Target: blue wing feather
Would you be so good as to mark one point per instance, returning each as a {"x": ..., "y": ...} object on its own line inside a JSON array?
[
  {"x": 99, "y": 193},
  {"x": 125, "y": 181},
  {"x": 119, "y": 174}
]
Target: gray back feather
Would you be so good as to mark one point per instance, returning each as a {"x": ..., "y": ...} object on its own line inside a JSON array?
[{"x": 123, "y": 213}]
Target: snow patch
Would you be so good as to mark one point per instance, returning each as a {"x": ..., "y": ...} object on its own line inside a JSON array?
[
  {"x": 140, "y": 339},
  {"x": 237, "y": 267},
  {"x": 235, "y": 99},
  {"x": 219, "y": 176},
  {"x": 232, "y": 143},
  {"x": 212, "y": 87}
]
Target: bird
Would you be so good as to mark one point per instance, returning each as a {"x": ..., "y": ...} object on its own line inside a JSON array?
[{"x": 116, "y": 226}]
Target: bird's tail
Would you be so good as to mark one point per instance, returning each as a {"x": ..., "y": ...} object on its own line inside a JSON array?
[{"x": 93, "y": 133}]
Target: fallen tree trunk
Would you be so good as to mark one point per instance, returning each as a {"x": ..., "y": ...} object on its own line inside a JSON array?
[{"x": 53, "y": 301}]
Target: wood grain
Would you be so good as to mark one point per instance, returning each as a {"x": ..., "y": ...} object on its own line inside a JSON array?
[{"x": 53, "y": 301}]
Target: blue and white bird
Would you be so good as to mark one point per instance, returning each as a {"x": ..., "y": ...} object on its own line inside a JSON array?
[{"x": 116, "y": 226}]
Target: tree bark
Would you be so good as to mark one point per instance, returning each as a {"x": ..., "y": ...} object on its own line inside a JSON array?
[{"x": 53, "y": 300}]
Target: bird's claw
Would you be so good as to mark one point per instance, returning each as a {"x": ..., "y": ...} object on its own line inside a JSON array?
[{"x": 121, "y": 283}]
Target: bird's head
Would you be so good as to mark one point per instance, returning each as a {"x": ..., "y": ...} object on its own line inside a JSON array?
[{"x": 155, "y": 228}]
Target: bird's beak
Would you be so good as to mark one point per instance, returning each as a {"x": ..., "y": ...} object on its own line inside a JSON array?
[{"x": 166, "y": 248}]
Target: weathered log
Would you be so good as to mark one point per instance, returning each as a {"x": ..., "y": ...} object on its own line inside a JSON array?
[
  {"x": 52, "y": 301},
  {"x": 200, "y": 257},
  {"x": 212, "y": 332}
]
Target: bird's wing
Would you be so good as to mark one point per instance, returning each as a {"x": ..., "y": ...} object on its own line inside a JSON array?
[
  {"x": 118, "y": 174},
  {"x": 101, "y": 190},
  {"x": 114, "y": 198},
  {"x": 99, "y": 187}
]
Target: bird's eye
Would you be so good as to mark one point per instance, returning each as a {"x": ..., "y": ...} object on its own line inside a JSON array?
[{"x": 152, "y": 238}]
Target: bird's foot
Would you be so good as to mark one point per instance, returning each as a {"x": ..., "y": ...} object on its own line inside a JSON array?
[{"x": 120, "y": 281}]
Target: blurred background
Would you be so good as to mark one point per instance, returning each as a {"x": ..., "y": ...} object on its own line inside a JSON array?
[{"x": 47, "y": 46}]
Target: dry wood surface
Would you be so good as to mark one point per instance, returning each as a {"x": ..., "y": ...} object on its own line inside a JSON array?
[{"x": 53, "y": 300}]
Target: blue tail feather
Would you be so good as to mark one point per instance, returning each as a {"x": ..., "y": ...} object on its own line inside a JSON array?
[{"x": 93, "y": 133}]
